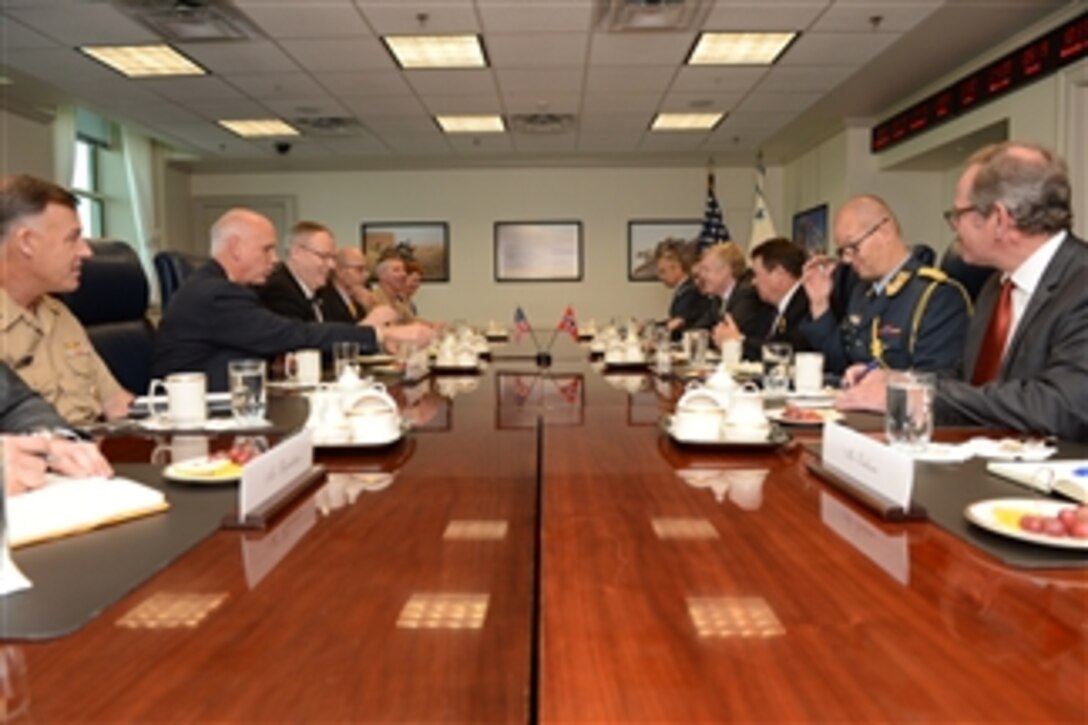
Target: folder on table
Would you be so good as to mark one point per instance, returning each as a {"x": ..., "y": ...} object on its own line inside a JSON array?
[{"x": 1068, "y": 478}]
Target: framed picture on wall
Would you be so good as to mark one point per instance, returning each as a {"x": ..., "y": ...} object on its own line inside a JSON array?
[
  {"x": 538, "y": 251},
  {"x": 426, "y": 242},
  {"x": 810, "y": 229},
  {"x": 643, "y": 238}
]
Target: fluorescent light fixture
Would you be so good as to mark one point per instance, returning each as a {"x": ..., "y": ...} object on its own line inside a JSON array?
[
  {"x": 259, "y": 127},
  {"x": 739, "y": 48},
  {"x": 144, "y": 61},
  {"x": 437, "y": 51},
  {"x": 686, "y": 121},
  {"x": 471, "y": 124}
]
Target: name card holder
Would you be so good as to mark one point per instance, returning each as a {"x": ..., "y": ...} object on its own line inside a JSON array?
[
  {"x": 272, "y": 481},
  {"x": 871, "y": 472}
]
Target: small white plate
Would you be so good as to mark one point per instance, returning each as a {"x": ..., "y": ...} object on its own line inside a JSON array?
[
  {"x": 778, "y": 415},
  {"x": 985, "y": 514},
  {"x": 205, "y": 470}
]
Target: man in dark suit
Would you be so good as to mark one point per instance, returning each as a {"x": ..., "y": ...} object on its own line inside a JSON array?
[
  {"x": 724, "y": 277},
  {"x": 293, "y": 287},
  {"x": 216, "y": 316},
  {"x": 1025, "y": 362},
  {"x": 345, "y": 298},
  {"x": 52, "y": 444},
  {"x": 688, "y": 305},
  {"x": 776, "y": 274}
]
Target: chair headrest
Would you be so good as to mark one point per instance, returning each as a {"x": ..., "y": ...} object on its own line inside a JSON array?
[{"x": 112, "y": 287}]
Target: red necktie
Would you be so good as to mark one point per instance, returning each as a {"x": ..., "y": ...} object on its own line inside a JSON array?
[{"x": 997, "y": 332}]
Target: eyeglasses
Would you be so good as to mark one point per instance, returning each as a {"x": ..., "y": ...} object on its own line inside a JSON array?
[
  {"x": 329, "y": 257},
  {"x": 851, "y": 248},
  {"x": 952, "y": 216}
]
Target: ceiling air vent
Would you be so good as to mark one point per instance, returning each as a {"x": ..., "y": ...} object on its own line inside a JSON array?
[
  {"x": 190, "y": 21},
  {"x": 327, "y": 126},
  {"x": 618, "y": 16},
  {"x": 542, "y": 123}
]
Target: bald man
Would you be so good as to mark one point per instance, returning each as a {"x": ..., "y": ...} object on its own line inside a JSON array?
[
  {"x": 345, "y": 298},
  {"x": 901, "y": 315},
  {"x": 217, "y": 316}
]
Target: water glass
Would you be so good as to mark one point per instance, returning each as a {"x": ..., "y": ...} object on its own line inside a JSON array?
[
  {"x": 344, "y": 355},
  {"x": 909, "y": 417},
  {"x": 248, "y": 393},
  {"x": 695, "y": 345},
  {"x": 776, "y": 368}
]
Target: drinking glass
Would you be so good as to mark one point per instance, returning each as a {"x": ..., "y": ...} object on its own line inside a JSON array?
[
  {"x": 695, "y": 345},
  {"x": 248, "y": 394},
  {"x": 909, "y": 417},
  {"x": 345, "y": 354},
  {"x": 776, "y": 368}
]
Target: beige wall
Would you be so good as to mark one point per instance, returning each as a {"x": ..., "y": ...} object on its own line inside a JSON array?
[
  {"x": 26, "y": 146},
  {"x": 604, "y": 200}
]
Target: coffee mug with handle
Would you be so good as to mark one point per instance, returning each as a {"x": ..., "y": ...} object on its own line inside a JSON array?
[{"x": 185, "y": 395}]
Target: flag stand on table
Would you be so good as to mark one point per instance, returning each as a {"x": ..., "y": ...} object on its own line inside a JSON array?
[{"x": 521, "y": 326}]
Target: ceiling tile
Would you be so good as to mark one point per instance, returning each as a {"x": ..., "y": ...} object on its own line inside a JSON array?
[
  {"x": 610, "y": 141},
  {"x": 364, "y": 145},
  {"x": 251, "y": 56},
  {"x": 726, "y": 80},
  {"x": 551, "y": 143},
  {"x": 308, "y": 20},
  {"x": 804, "y": 78},
  {"x": 158, "y": 112},
  {"x": 228, "y": 108},
  {"x": 639, "y": 49},
  {"x": 747, "y": 120},
  {"x": 17, "y": 36},
  {"x": 275, "y": 85},
  {"x": 700, "y": 101},
  {"x": 547, "y": 16},
  {"x": 451, "y": 82},
  {"x": 402, "y": 18},
  {"x": 621, "y": 102},
  {"x": 418, "y": 144},
  {"x": 203, "y": 88},
  {"x": 895, "y": 15},
  {"x": 379, "y": 83},
  {"x": 760, "y": 101},
  {"x": 487, "y": 103},
  {"x": 614, "y": 123},
  {"x": 483, "y": 144},
  {"x": 358, "y": 54},
  {"x": 764, "y": 15},
  {"x": 830, "y": 49},
  {"x": 672, "y": 141},
  {"x": 542, "y": 102},
  {"x": 537, "y": 50},
  {"x": 306, "y": 107},
  {"x": 83, "y": 24},
  {"x": 384, "y": 126},
  {"x": 612, "y": 79},
  {"x": 524, "y": 80},
  {"x": 369, "y": 106},
  {"x": 60, "y": 65}
]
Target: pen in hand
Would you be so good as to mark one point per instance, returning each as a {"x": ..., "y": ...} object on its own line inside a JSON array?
[{"x": 851, "y": 381}]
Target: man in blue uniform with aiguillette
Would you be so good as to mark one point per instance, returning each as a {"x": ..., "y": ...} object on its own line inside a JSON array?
[{"x": 903, "y": 314}]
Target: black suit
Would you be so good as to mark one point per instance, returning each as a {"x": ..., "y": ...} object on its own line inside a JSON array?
[
  {"x": 689, "y": 305},
  {"x": 787, "y": 328},
  {"x": 1042, "y": 386},
  {"x": 212, "y": 320},
  {"x": 335, "y": 309},
  {"x": 752, "y": 315},
  {"x": 282, "y": 294},
  {"x": 21, "y": 409}
]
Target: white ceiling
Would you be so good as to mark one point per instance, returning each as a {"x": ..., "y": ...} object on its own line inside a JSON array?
[{"x": 325, "y": 58}]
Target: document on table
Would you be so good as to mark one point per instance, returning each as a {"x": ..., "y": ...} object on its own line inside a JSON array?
[
  {"x": 1069, "y": 477},
  {"x": 67, "y": 506}
]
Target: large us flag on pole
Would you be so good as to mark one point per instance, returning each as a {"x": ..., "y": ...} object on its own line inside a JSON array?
[
  {"x": 762, "y": 224},
  {"x": 714, "y": 229}
]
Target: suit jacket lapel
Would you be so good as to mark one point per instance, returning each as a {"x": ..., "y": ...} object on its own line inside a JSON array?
[{"x": 1049, "y": 282}]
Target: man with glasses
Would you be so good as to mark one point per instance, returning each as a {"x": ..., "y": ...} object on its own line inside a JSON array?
[
  {"x": 346, "y": 298},
  {"x": 292, "y": 288},
  {"x": 901, "y": 315},
  {"x": 1025, "y": 363}
]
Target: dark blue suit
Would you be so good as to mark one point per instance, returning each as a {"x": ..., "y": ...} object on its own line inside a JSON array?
[
  {"x": 212, "y": 320},
  {"x": 21, "y": 409},
  {"x": 688, "y": 304},
  {"x": 919, "y": 319}
]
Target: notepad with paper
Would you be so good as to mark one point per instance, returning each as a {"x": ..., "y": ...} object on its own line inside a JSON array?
[
  {"x": 67, "y": 506},
  {"x": 1068, "y": 478}
]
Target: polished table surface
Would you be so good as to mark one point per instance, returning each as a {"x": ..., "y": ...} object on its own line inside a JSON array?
[{"x": 587, "y": 571}]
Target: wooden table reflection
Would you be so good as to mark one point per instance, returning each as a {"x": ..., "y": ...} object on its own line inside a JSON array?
[{"x": 674, "y": 586}]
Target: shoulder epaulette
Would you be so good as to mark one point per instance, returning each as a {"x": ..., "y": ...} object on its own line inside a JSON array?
[
  {"x": 933, "y": 273},
  {"x": 897, "y": 283}
]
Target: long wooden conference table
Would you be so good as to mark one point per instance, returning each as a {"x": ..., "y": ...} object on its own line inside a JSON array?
[{"x": 536, "y": 550}]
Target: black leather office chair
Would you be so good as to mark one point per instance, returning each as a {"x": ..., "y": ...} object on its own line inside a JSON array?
[
  {"x": 111, "y": 302},
  {"x": 172, "y": 268}
]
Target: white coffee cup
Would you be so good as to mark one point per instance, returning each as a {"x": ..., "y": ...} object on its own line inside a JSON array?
[
  {"x": 731, "y": 352},
  {"x": 697, "y": 424},
  {"x": 374, "y": 426},
  {"x": 186, "y": 398},
  {"x": 808, "y": 372},
  {"x": 303, "y": 366}
]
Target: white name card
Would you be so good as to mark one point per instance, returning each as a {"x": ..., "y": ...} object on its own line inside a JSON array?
[
  {"x": 272, "y": 471},
  {"x": 869, "y": 463}
]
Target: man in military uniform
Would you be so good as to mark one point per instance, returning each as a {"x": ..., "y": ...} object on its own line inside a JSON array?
[
  {"x": 902, "y": 315},
  {"x": 42, "y": 251}
]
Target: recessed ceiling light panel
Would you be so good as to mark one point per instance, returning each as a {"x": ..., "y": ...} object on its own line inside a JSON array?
[
  {"x": 686, "y": 121},
  {"x": 437, "y": 51},
  {"x": 740, "y": 48},
  {"x": 259, "y": 127},
  {"x": 144, "y": 61},
  {"x": 471, "y": 124}
]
